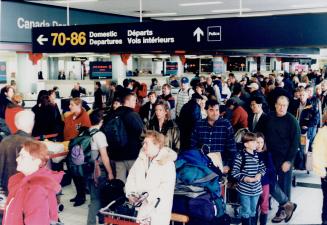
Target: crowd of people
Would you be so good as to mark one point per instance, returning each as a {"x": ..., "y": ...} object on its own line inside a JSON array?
[{"x": 273, "y": 113}]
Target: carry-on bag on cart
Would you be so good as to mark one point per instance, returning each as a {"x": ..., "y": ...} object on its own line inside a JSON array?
[{"x": 122, "y": 212}]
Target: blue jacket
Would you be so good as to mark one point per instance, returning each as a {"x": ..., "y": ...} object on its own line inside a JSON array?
[
  {"x": 270, "y": 175},
  {"x": 191, "y": 166}
]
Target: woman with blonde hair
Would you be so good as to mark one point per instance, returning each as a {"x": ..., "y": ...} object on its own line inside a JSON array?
[
  {"x": 153, "y": 173},
  {"x": 32, "y": 191},
  {"x": 162, "y": 123}
]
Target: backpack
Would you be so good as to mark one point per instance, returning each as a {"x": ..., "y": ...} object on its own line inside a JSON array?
[
  {"x": 80, "y": 160},
  {"x": 188, "y": 91},
  {"x": 116, "y": 133},
  {"x": 203, "y": 207},
  {"x": 111, "y": 190}
]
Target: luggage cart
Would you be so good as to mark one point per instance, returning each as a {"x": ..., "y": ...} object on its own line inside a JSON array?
[
  {"x": 230, "y": 195},
  {"x": 113, "y": 218}
]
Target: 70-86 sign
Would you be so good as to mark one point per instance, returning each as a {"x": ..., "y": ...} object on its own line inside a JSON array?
[{"x": 61, "y": 39}]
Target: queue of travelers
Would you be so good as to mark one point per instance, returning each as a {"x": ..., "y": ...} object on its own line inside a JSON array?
[{"x": 152, "y": 130}]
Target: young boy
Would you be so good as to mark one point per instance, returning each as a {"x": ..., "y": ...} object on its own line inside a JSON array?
[{"x": 248, "y": 170}]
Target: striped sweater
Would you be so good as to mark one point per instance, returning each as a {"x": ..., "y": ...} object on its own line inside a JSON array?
[{"x": 251, "y": 167}]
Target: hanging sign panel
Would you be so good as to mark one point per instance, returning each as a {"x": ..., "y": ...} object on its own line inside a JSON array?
[
  {"x": 3, "y": 73},
  {"x": 208, "y": 35}
]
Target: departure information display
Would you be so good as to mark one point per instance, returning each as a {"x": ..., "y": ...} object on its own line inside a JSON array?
[{"x": 200, "y": 35}]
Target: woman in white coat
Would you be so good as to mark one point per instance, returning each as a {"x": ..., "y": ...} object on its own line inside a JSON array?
[{"x": 153, "y": 172}]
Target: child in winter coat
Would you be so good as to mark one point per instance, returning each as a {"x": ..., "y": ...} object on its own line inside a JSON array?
[
  {"x": 266, "y": 180},
  {"x": 248, "y": 170}
]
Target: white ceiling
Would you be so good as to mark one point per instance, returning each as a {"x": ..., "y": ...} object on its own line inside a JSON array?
[{"x": 250, "y": 7}]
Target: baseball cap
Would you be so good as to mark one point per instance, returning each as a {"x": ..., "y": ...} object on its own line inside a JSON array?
[
  {"x": 185, "y": 80},
  {"x": 254, "y": 86}
]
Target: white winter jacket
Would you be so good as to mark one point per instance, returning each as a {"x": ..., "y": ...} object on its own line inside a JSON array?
[
  {"x": 158, "y": 179},
  {"x": 319, "y": 152}
]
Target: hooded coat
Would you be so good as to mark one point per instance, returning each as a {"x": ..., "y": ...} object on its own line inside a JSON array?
[
  {"x": 319, "y": 152},
  {"x": 32, "y": 199},
  {"x": 157, "y": 178}
]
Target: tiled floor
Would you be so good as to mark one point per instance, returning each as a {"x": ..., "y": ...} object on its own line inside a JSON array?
[{"x": 309, "y": 201}]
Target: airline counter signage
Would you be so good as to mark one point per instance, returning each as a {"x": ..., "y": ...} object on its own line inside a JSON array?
[
  {"x": 203, "y": 35},
  {"x": 132, "y": 37}
]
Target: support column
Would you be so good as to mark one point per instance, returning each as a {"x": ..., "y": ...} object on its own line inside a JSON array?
[
  {"x": 26, "y": 77},
  {"x": 275, "y": 64},
  {"x": 219, "y": 66},
  {"x": 263, "y": 63},
  {"x": 180, "y": 70},
  {"x": 53, "y": 68},
  {"x": 118, "y": 69},
  {"x": 251, "y": 64},
  {"x": 157, "y": 67}
]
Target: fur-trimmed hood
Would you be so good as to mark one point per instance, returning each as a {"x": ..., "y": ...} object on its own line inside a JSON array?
[
  {"x": 43, "y": 177},
  {"x": 319, "y": 152},
  {"x": 165, "y": 155}
]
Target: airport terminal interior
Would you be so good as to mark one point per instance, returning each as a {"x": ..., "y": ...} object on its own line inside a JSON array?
[{"x": 219, "y": 71}]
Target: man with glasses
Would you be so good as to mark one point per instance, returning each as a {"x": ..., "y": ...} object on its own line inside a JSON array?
[{"x": 282, "y": 137}]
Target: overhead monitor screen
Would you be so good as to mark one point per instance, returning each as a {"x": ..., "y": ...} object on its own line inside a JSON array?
[{"x": 99, "y": 70}]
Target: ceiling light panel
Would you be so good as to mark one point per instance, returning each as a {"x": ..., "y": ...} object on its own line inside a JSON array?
[
  {"x": 189, "y": 18},
  {"x": 199, "y": 3},
  {"x": 159, "y": 14},
  {"x": 230, "y": 10},
  {"x": 75, "y": 1}
]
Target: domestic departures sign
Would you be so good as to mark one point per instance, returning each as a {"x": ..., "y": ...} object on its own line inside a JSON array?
[{"x": 199, "y": 35}]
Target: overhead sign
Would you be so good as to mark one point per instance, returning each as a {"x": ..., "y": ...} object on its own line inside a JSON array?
[
  {"x": 199, "y": 35},
  {"x": 171, "y": 68},
  {"x": 3, "y": 73},
  {"x": 100, "y": 70},
  {"x": 18, "y": 18}
]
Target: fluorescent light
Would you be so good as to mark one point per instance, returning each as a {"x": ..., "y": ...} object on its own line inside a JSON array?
[
  {"x": 200, "y": 3},
  {"x": 256, "y": 14},
  {"x": 230, "y": 10},
  {"x": 75, "y": 1},
  {"x": 158, "y": 14},
  {"x": 189, "y": 18},
  {"x": 308, "y": 5}
]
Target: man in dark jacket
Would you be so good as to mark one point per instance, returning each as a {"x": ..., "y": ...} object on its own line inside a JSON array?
[
  {"x": 308, "y": 116},
  {"x": 11, "y": 145},
  {"x": 147, "y": 110},
  {"x": 189, "y": 115},
  {"x": 278, "y": 91},
  {"x": 124, "y": 157},
  {"x": 255, "y": 92},
  {"x": 282, "y": 137},
  {"x": 257, "y": 119}
]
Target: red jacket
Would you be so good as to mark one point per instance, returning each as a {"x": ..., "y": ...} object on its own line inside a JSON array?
[
  {"x": 10, "y": 117},
  {"x": 73, "y": 124},
  {"x": 239, "y": 118},
  {"x": 32, "y": 199}
]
